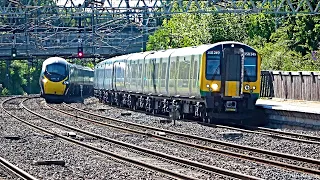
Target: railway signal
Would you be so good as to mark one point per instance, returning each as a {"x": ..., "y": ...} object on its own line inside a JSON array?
[
  {"x": 13, "y": 52},
  {"x": 80, "y": 52}
]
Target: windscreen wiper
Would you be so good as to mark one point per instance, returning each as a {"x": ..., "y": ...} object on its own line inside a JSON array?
[
  {"x": 215, "y": 72},
  {"x": 246, "y": 74},
  {"x": 56, "y": 73}
]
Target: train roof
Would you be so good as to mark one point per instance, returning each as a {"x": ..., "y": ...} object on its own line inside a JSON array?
[
  {"x": 81, "y": 67},
  {"x": 186, "y": 51},
  {"x": 54, "y": 60},
  {"x": 60, "y": 60}
]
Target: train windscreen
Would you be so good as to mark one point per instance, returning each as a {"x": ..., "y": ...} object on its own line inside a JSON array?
[
  {"x": 250, "y": 68},
  {"x": 56, "y": 72},
  {"x": 213, "y": 65}
]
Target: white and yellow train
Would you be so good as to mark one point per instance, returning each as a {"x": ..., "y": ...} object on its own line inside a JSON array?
[
  {"x": 213, "y": 82},
  {"x": 60, "y": 80}
]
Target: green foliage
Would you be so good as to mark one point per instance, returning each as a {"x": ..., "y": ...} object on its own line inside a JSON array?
[
  {"x": 5, "y": 92},
  {"x": 181, "y": 30},
  {"x": 288, "y": 47}
]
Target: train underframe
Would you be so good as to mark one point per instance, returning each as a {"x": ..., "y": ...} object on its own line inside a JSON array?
[
  {"x": 212, "y": 109},
  {"x": 71, "y": 94}
]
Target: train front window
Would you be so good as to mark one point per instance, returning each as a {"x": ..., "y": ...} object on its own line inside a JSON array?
[
  {"x": 250, "y": 69},
  {"x": 213, "y": 66},
  {"x": 56, "y": 69}
]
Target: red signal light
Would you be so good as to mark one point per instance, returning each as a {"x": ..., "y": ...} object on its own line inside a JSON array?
[{"x": 80, "y": 52}]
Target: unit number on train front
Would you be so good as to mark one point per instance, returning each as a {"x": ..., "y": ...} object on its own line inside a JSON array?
[
  {"x": 250, "y": 54},
  {"x": 213, "y": 52}
]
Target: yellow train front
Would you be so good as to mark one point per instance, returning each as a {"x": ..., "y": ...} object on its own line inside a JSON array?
[
  {"x": 230, "y": 83},
  {"x": 61, "y": 81}
]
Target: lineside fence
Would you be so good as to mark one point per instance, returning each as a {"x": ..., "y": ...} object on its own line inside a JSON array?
[{"x": 299, "y": 85}]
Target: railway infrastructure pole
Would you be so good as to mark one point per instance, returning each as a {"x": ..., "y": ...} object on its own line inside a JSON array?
[
  {"x": 7, "y": 74},
  {"x": 81, "y": 90},
  {"x": 145, "y": 30}
]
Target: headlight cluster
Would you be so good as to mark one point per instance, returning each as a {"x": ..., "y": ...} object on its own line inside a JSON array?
[
  {"x": 213, "y": 87},
  {"x": 247, "y": 87},
  {"x": 65, "y": 82}
]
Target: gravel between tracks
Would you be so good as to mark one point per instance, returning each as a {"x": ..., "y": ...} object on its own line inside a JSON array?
[
  {"x": 92, "y": 128},
  {"x": 81, "y": 163},
  {"x": 295, "y": 129},
  {"x": 248, "y": 139},
  {"x": 4, "y": 174},
  {"x": 250, "y": 168}
]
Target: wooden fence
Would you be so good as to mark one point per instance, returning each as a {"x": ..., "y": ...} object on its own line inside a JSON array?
[{"x": 291, "y": 85}]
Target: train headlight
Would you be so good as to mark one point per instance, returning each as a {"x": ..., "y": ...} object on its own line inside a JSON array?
[
  {"x": 254, "y": 87},
  {"x": 44, "y": 80},
  {"x": 65, "y": 82},
  {"x": 208, "y": 85},
  {"x": 215, "y": 87},
  {"x": 247, "y": 87}
]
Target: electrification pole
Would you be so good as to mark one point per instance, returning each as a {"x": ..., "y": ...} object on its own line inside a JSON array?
[{"x": 145, "y": 30}]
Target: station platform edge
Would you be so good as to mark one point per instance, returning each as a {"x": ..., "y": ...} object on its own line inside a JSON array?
[{"x": 312, "y": 107}]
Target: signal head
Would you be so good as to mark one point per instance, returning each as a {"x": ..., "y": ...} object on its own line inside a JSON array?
[
  {"x": 13, "y": 52},
  {"x": 80, "y": 52}
]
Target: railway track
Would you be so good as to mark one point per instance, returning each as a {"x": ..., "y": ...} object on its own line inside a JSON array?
[
  {"x": 250, "y": 129},
  {"x": 150, "y": 159},
  {"x": 274, "y": 133},
  {"x": 314, "y": 163},
  {"x": 14, "y": 171}
]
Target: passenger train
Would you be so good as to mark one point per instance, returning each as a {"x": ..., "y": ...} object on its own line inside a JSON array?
[
  {"x": 59, "y": 80},
  {"x": 213, "y": 82}
]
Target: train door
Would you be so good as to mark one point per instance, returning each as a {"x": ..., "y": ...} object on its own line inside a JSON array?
[
  {"x": 232, "y": 70},
  {"x": 118, "y": 75}
]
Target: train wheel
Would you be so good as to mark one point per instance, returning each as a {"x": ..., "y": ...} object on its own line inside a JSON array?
[{"x": 204, "y": 117}]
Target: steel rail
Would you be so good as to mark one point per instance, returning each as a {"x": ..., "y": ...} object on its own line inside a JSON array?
[
  {"x": 15, "y": 170},
  {"x": 272, "y": 135},
  {"x": 274, "y": 153},
  {"x": 246, "y": 130},
  {"x": 168, "y": 172},
  {"x": 290, "y": 133},
  {"x": 238, "y": 155},
  {"x": 145, "y": 150}
]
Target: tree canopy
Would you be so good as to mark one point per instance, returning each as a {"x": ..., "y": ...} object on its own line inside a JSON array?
[{"x": 286, "y": 42}]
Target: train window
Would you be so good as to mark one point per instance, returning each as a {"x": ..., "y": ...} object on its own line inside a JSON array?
[
  {"x": 57, "y": 69},
  {"x": 213, "y": 66},
  {"x": 163, "y": 70},
  {"x": 139, "y": 70},
  {"x": 195, "y": 71},
  {"x": 250, "y": 68},
  {"x": 184, "y": 66},
  {"x": 155, "y": 73},
  {"x": 134, "y": 70},
  {"x": 173, "y": 69}
]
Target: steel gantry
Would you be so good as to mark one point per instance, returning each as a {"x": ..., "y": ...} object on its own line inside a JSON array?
[{"x": 104, "y": 28}]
